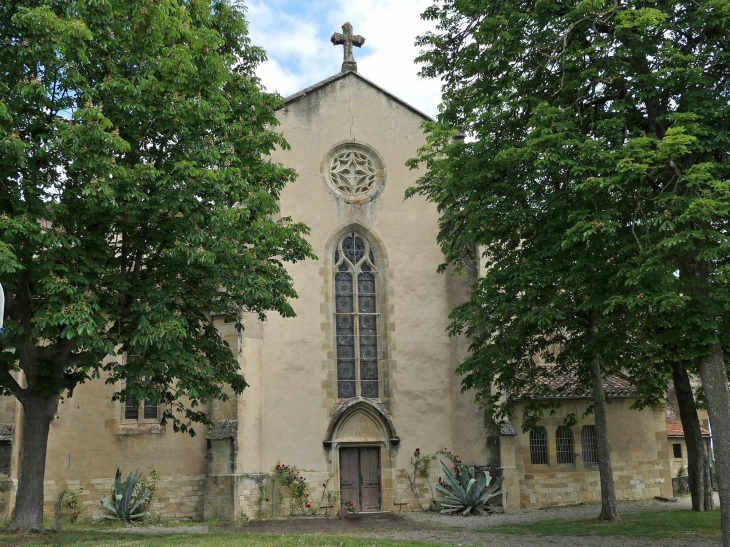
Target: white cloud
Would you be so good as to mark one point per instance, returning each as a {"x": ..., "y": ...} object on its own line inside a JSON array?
[{"x": 300, "y": 53}]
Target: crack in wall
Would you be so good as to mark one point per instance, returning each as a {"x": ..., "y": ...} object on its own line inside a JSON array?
[{"x": 349, "y": 98}]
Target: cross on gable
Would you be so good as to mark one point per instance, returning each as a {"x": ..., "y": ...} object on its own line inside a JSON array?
[{"x": 347, "y": 39}]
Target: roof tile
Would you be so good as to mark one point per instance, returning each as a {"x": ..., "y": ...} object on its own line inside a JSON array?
[
  {"x": 564, "y": 385},
  {"x": 675, "y": 429}
]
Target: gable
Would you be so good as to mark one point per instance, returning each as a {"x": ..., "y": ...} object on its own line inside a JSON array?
[{"x": 313, "y": 91}]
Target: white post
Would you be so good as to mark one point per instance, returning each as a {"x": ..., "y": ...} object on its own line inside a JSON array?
[{"x": 2, "y": 305}]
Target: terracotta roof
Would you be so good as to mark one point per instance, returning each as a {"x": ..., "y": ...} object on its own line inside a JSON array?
[
  {"x": 559, "y": 384},
  {"x": 619, "y": 385},
  {"x": 675, "y": 429}
]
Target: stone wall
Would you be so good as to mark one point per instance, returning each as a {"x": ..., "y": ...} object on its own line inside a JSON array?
[
  {"x": 251, "y": 495},
  {"x": 680, "y": 464},
  {"x": 424, "y": 486},
  {"x": 644, "y": 480},
  {"x": 677, "y": 464},
  {"x": 176, "y": 497}
]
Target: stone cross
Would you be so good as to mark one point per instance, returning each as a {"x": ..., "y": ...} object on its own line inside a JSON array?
[{"x": 348, "y": 40}]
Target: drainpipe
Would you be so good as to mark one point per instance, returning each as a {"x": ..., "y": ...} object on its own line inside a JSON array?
[
  {"x": 3, "y": 327},
  {"x": 2, "y": 309}
]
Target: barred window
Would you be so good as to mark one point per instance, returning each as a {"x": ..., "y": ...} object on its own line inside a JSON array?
[
  {"x": 589, "y": 444},
  {"x": 538, "y": 446},
  {"x": 357, "y": 318},
  {"x": 132, "y": 405},
  {"x": 564, "y": 445}
]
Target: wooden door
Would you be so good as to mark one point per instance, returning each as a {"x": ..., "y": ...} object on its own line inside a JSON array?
[
  {"x": 350, "y": 475},
  {"x": 370, "y": 478},
  {"x": 360, "y": 477}
]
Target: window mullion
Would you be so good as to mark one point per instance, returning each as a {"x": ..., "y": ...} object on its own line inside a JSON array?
[
  {"x": 356, "y": 330},
  {"x": 379, "y": 334}
]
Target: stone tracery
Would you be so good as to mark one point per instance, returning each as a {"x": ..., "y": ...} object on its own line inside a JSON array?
[
  {"x": 356, "y": 318},
  {"x": 353, "y": 173}
]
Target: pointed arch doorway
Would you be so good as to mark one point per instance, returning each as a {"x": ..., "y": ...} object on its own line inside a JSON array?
[
  {"x": 362, "y": 437},
  {"x": 360, "y": 477}
]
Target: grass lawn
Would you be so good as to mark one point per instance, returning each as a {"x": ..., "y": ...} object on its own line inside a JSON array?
[
  {"x": 667, "y": 524},
  {"x": 111, "y": 539},
  {"x": 86, "y": 524}
]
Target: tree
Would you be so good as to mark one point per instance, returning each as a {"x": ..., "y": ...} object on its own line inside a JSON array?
[
  {"x": 651, "y": 371},
  {"x": 621, "y": 107},
  {"x": 542, "y": 292},
  {"x": 135, "y": 203},
  {"x": 698, "y": 463}
]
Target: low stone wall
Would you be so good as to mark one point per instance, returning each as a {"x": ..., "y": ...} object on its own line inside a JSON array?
[
  {"x": 252, "y": 495},
  {"x": 176, "y": 497},
  {"x": 567, "y": 487},
  {"x": 424, "y": 486}
]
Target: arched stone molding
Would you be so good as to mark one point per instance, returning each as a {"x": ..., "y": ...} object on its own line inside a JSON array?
[
  {"x": 364, "y": 423},
  {"x": 374, "y": 238},
  {"x": 377, "y": 413}
]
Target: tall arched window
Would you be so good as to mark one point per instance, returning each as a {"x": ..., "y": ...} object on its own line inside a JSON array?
[{"x": 357, "y": 318}]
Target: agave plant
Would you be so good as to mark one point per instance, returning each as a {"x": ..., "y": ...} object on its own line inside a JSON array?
[
  {"x": 466, "y": 494},
  {"x": 125, "y": 505}
]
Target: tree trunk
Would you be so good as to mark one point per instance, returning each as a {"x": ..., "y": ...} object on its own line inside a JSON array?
[
  {"x": 714, "y": 382},
  {"x": 57, "y": 513},
  {"x": 609, "y": 510},
  {"x": 38, "y": 412},
  {"x": 711, "y": 367},
  {"x": 709, "y": 498},
  {"x": 698, "y": 465}
]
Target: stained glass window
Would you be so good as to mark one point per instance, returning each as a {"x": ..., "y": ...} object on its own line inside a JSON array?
[{"x": 357, "y": 318}]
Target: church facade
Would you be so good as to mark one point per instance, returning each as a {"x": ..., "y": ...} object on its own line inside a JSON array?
[{"x": 359, "y": 379}]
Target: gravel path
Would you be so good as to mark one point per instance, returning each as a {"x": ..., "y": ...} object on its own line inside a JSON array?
[
  {"x": 464, "y": 530},
  {"x": 437, "y": 528},
  {"x": 531, "y": 515}
]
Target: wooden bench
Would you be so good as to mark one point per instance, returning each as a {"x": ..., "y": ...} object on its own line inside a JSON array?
[
  {"x": 326, "y": 508},
  {"x": 400, "y": 504}
]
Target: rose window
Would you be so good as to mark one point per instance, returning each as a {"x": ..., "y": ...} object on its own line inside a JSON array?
[{"x": 354, "y": 171}]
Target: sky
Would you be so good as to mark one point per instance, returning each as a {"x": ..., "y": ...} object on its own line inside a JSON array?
[{"x": 296, "y": 37}]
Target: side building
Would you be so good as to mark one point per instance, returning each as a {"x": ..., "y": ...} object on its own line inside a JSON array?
[{"x": 557, "y": 465}]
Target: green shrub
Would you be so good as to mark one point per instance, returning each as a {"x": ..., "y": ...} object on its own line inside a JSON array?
[
  {"x": 467, "y": 494},
  {"x": 126, "y": 505},
  {"x": 72, "y": 502}
]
